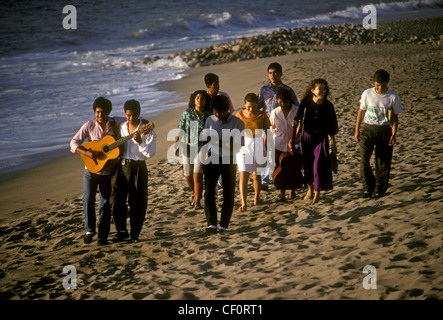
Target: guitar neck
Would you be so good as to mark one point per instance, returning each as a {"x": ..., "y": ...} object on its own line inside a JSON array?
[{"x": 121, "y": 141}]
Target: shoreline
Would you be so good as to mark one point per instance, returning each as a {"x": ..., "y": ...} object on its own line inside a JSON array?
[
  {"x": 275, "y": 251},
  {"x": 194, "y": 81},
  {"x": 387, "y": 31},
  {"x": 311, "y": 39},
  {"x": 29, "y": 180}
]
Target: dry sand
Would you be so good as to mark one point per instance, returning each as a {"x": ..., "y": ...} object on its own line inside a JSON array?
[{"x": 272, "y": 251}]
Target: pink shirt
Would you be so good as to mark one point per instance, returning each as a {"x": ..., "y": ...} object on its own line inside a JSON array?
[{"x": 92, "y": 131}]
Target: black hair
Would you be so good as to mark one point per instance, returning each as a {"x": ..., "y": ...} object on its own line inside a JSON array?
[
  {"x": 210, "y": 78},
  {"x": 195, "y": 94},
  {"x": 220, "y": 103},
  {"x": 132, "y": 105},
  {"x": 275, "y": 66},
  {"x": 381, "y": 76},
  {"x": 102, "y": 103},
  {"x": 284, "y": 95},
  {"x": 251, "y": 97}
]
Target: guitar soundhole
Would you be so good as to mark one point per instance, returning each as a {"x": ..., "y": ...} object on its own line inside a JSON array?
[{"x": 106, "y": 149}]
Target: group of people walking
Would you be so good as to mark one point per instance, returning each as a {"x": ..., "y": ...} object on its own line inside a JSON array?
[
  {"x": 238, "y": 143},
  {"x": 310, "y": 125}
]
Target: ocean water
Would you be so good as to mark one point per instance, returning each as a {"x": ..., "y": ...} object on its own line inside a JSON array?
[{"x": 50, "y": 76}]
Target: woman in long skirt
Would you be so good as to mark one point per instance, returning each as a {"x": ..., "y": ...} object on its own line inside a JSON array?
[{"x": 317, "y": 122}]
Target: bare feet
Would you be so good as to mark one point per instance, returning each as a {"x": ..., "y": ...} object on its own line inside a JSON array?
[
  {"x": 316, "y": 198},
  {"x": 307, "y": 197},
  {"x": 242, "y": 208}
]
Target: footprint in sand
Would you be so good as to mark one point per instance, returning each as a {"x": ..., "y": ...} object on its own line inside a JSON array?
[
  {"x": 385, "y": 239},
  {"x": 416, "y": 244},
  {"x": 140, "y": 295},
  {"x": 80, "y": 252}
]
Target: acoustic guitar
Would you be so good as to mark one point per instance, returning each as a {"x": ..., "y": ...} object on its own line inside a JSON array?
[{"x": 108, "y": 149}]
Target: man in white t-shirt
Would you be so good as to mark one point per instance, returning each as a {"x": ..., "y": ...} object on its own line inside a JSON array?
[{"x": 379, "y": 109}]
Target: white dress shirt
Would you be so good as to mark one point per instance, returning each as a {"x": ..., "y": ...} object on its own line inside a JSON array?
[
  {"x": 133, "y": 150},
  {"x": 282, "y": 127}
]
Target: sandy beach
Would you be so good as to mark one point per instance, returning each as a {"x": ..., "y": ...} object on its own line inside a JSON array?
[{"x": 288, "y": 251}]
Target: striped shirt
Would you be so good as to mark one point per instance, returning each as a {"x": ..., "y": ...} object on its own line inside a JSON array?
[{"x": 377, "y": 106}]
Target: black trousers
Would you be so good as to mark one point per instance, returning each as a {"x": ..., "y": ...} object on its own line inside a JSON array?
[
  {"x": 375, "y": 137},
  {"x": 212, "y": 173},
  {"x": 130, "y": 188}
]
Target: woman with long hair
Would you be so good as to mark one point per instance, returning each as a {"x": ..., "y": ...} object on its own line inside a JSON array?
[
  {"x": 192, "y": 123},
  {"x": 316, "y": 122}
]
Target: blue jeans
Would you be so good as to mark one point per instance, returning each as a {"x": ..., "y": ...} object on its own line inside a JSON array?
[{"x": 90, "y": 183}]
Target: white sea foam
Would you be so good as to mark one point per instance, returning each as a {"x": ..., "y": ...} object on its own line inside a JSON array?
[
  {"x": 355, "y": 13},
  {"x": 167, "y": 64},
  {"x": 217, "y": 19}
]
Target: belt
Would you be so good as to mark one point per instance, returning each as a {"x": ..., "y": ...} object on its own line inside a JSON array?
[
  {"x": 132, "y": 162},
  {"x": 377, "y": 125}
]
